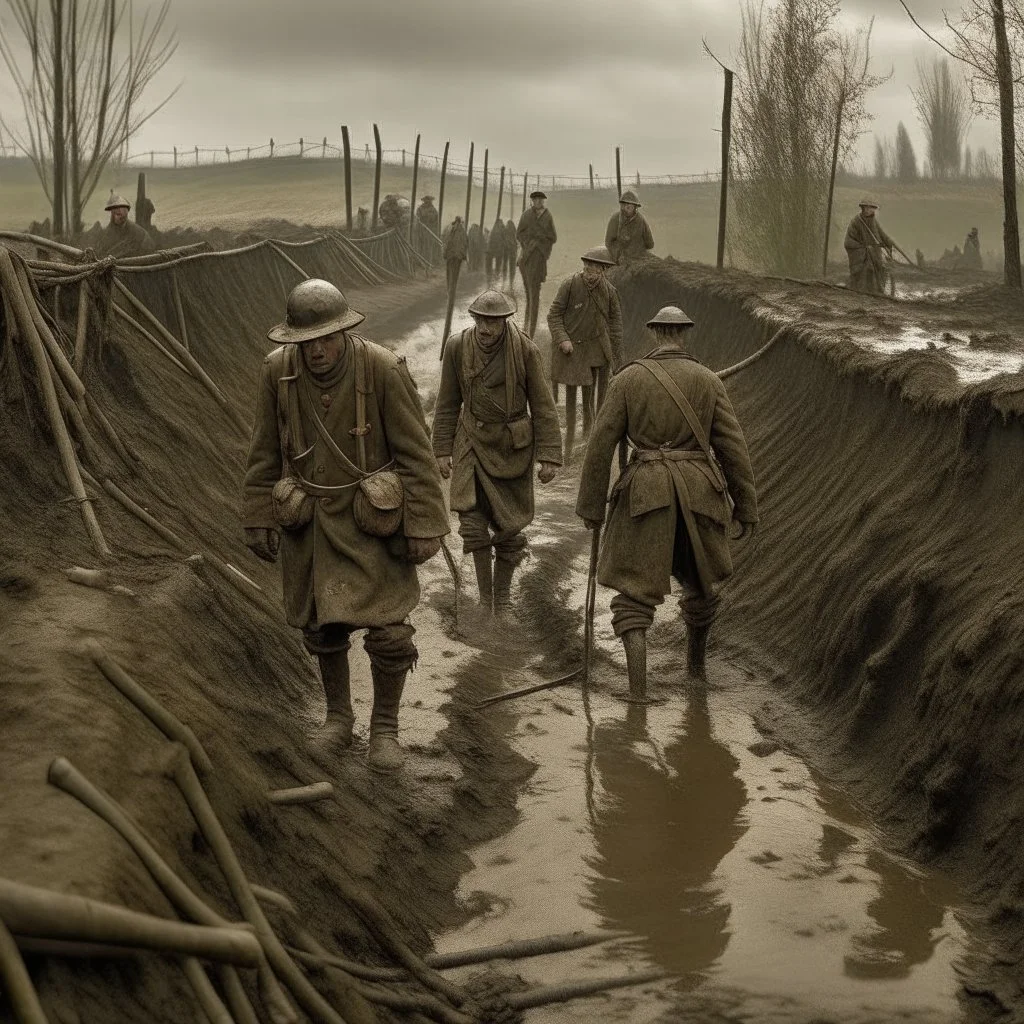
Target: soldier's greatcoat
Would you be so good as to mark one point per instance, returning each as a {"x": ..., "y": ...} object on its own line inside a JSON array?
[
  {"x": 590, "y": 316},
  {"x": 495, "y": 417},
  {"x": 658, "y": 485},
  {"x": 628, "y": 238},
  {"x": 536, "y": 236},
  {"x": 511, "y": 243},
  {"x": 127, "y": 239},
  {"x": 330, "y": 565},
  {"x": 865, "y": 240},
  {"x": 496, "y": 240}
]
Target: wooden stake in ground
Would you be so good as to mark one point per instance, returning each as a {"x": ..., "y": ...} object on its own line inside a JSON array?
[
  {"x": 501, "y": 190},
  {"x": 469, "y": 185},
  {"x": 347, "y": 151},
  {"x": 483, "y": 198},
  {"x": 440, "y": 192},
  {"x": 723, "y": 198},
  {"x": 140, "y": 201},
  {"x": 415, "y": 181},
  {"x": 376, "y": 178},
  {"x": 526, "y": 178},
  {"x": 618, "y": 170}
]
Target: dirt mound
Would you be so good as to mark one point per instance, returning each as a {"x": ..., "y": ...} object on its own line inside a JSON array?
[{"x": 885, "y": 583}]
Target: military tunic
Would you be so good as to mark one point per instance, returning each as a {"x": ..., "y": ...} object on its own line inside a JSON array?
[
  {"x": 667, "y": 480},
  {"x": 127, "y": 239},
  {"x": 864, "y": 243},
  {"x": 628, "y": 238},
  {"x": 536, "y": 236},
  {"x": 591, "y": 318},
  {"x": 332, "y": 571}
]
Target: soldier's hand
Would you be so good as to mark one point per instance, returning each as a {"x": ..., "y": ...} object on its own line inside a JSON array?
[
  {"x": 593, "y": 524},
  {"x": 263, "y": 543},
  {"x": 566, "y": 347},
  {"x": 422, "y": 548},
  {"x": 547, "y": 472},
  {"x": 444, "y": 466}
]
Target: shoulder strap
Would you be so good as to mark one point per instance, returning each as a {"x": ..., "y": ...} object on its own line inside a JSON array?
[
  {"x": 361, "y": 428},
  {"x": 659, "y": 374},
  {"x": 325, "y": 435}
]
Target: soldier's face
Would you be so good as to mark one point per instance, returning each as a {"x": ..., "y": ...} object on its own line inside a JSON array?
[
  {"x": 118, "y": 215},
  {"x": 538, "y": 203},
  {"x": 593, "y": 271},
  {"x": 868, "y": 211},
  {"x": 628, "y": 209},
  {"x": 489, "y": 328},
  {"x": 321, "y": 355}
]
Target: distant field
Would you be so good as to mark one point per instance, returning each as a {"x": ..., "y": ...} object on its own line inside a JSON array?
[{"x": 928, "y": 215}]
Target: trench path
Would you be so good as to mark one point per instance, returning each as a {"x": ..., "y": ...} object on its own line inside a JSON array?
[{"x": 764, "y": 890}]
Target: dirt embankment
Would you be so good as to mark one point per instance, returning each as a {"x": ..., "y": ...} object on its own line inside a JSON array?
[
  {"x": 222, "y": 661},
  {"x": 885, "y": 586}
]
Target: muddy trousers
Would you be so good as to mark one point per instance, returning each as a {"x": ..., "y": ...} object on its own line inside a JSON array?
[
  {"x": 532, "y": 289},
  {"x": 390, "y": 648},
  {"x": 590, "y": 409},
  {"x": 698, "y": 608},
  {"x": 479, "y": 532}
]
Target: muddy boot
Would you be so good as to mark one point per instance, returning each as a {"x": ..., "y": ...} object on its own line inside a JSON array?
[
  {"x": 336, "y": 733},
  {"x": 634, "y": 641},
  {"x": 385, "y": 755},
  {"x": 696, "y": 646},
  {"x": 483, "y": 562},
  {"x": 503, "y": 571}
]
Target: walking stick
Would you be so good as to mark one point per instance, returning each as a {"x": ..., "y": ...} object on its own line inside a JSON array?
[
  {"x": 588, "y": 626},
  {"x": 451, "y": 308},
  {"x": 456, "y": 576}
]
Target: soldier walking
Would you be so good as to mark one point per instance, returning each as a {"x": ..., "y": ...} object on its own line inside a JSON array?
[
  {"x": 122, "y": 238},
  {"x": 494, "y": 418},
  {"x": 536, "y": 236},
  {"x": 585, "y": 320},
  {"x": 629, "y": 236},
  {"x": 426, "y": 214},
  {"x": 865, "y": 240},
  {"x": 475, "y": 260},
  {"x": 454, "y": 248},
  {"x": 495, "y": 252},
  {"x": 341, "y": 481},
  {"x": 670, "y": 508}
]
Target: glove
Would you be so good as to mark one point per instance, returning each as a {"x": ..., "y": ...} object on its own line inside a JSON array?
[
  {"x": 421, "y": 549},
  {"x": 566, "y": 347},
  {"x": 547, "y": 472},
  {"x": 444, "y": 466},
  {"x": 263, "y": 542}
]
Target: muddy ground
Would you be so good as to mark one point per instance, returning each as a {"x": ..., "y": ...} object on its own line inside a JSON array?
[{"x": 872, "y": 630}]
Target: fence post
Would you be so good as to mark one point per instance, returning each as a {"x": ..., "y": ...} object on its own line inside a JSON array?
[
  {"x": 175, "y": 157},
  {"x": 638, "y": 179},
  {"x": 347, "y": 155},
  {"x": 248, "y": 150},
  {"x": 501, "y": 190},
  {"x": 376, "y": 176},
  {"x": 197, "y": 156},
  {"x": 323, "y": 154},
  {"x": 415, "y": 182},
  {"x": 440, "y": 193},
  {"x": 526, "y": 176},
  {"x": 403, "y": 157},
  {"x": 591, "y": 177},
  {"x": 618, "y": 170},
  {"x": 723, "y": 199},
  {"x": 483, "y": 198},
  {"x": 140, "y": 201},
  {"x": 469, "y": 186},
  {"x": 228, "y": 151},
  {"x": 271, "y": 149}
]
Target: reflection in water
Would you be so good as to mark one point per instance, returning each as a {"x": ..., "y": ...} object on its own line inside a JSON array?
[
  {"x": 909, "y": 921},
  {"x": 659, "y": 833}
]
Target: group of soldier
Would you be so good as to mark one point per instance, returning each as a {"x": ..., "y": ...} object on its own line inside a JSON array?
[{"x": 344, "y": 477}]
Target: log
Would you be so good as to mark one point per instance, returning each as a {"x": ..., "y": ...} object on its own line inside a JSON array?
[
  {"x": 88, "y": 577},
  {"x": 301, "y": 794},
  {"x": 137, "y": 510},
  {"x": 81, "y": 326},
  {"x": 179, "y": 310},
  {"x": 67, "y": 948},
  {"x": 128, "y": 455},
  {"x": 17, "y": 302},
  {"x": 318, "y": 957},
  {"x": 44, "y": 914},
  {"x": 17, "y": 984},
  {"x": 236, "y": 996},
  {"x": 520, "y": 948},
  {"x": 206, "y": 995},
  {"x": 129, "y": 319},
  {"x": 577, "y": 989},
  {"x": 167, "y": 723}
]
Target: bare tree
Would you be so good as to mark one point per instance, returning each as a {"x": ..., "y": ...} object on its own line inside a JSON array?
[
  {"x": 81, "y": 99},
  {"x": 881, "y": 160},
  {"x": 984, "y": 168},
  {"x": 944, "y": 110},
  {"x": 906, "y": 159}
]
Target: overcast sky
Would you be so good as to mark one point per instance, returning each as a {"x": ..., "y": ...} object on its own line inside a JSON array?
[{"x": 548, "y": 85}]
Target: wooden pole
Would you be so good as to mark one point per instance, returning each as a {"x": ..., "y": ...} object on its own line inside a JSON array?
[
  {"x": 1004, "y": 73},
  {"x": 526, "y": 178},
  {"x": 346, "y": 148},
  {"x": 483, "y": 198},
  {"x": 140, "y": 200},
  {"x": 376, "y": 177},
  {"x": 469, "y": 184},
  {"x": 618, "y": 170},
  {"x": 415, "y": 182},
  {"x": 82, "y": 326},
  {"x": 501, "y": 190},
  {"x": 723, "y": 199},
  {"x": 591, "y": 177},
  {"x": 831, "y": 190},
  {"x": 440, "y": 193}
]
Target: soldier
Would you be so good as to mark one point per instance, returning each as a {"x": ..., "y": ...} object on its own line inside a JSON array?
[
  {"x": 629, "y": 236},
  {"x": 971, "y": 257},
  {"x": 865, "y": 240},
  {"x": 495, "y": 252},
  {"x": 454, "y": 249},
  {"x": 511, "y": 251},
  {"x": 536, "y": 235},
  {"x": 494, "y": 418},
  {"x": 339, "y": 448},
  {"x": 475, "y": 261},
  {"x": 670, "y": 509},
  {"x": 427, "y": 214},
  {"x": 121, "y": 237},
  {"x": 585, "y": 320}
]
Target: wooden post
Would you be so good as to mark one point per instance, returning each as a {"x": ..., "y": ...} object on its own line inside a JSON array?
[
  {"x": 440, "y": 194},
  {"x": 403, "y": 157},
  {"x": 197, "y": 156},
  {"x": 227, "y": 150},
  {"x": 501, "y": 190},
  {"x": 483, "y": 198},
  {"x": 151, "y": 156},
  {"x": 618, "y": 170},
  {"x": 323, "y": 152},
  {"x": 140, "y": 200},
  {"x": 723, "y": 201},
  {"x": 376, "y": 177},
  {"x": 248, "y": 151},
  {"x": 175, "y": 157},
  {"x": 415, "y": 182},
  {"x": 591, "y": 177},
  {"x": 1004, "y": 76},
  {"x": 469, "y": 184},
  {"x": 302, "y": 145},
  {"x": 525, "y": 187},
  {"x": 831, "y": 182},
  {"x": 347, "y": 154}
]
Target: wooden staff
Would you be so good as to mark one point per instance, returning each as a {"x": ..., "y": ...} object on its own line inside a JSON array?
[
  {"x": 588, "y": 626},
  {"x": 526, "y": 176},
  {"x": 450, "y": 311},
  {"x": 376, "y": 177},
  {"x": 440, "y": 194}
]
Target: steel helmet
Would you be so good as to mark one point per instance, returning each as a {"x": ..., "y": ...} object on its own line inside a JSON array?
[
  {"x": 537, "y": 194},
  {"x": 670, "y": 316},
  {"x": 867, "y": 201},
  {"x": 315, "y": 308},
  {"x": 115, "y": 201},
  {"x": 629, "y": 196},
  {"x": 492, "y": 303},
  {"x": 599, "y": 254}
]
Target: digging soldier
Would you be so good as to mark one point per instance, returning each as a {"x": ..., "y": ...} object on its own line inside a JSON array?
[
  {"x": 536, "y": 236},
  {"x": 865, "y": 240},
  {"x": 629, "y": 236},
  {"x": 495, "y": 252},
  {"x": 670, "y": 508},
  {"x": 454, "y": 248},
  {"x": 585, "y": 320},
  {"x": 494, "y": 418},
  {"x": 342, "y": 481},
  {"x": 511, "y": 251},
  {"x": 122, "y": 238}
]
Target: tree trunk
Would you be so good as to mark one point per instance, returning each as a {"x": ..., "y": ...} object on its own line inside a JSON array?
[
  {"x": 59, "y": 152},
  {"x": 832, "y": 181},
  {"x": 1004, "y": 71},
  {"x": 723, "y": 202}
]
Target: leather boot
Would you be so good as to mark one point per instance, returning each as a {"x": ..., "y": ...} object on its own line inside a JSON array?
[
  {"x": 696, "y": 646},
  {"x": 336, "y": 733},
  {"x": 635, "y": 643},
  {"x": 483, "y": 561},
  {"x": 385, "y": 755},
  {"x": 503, "y": 571}
]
